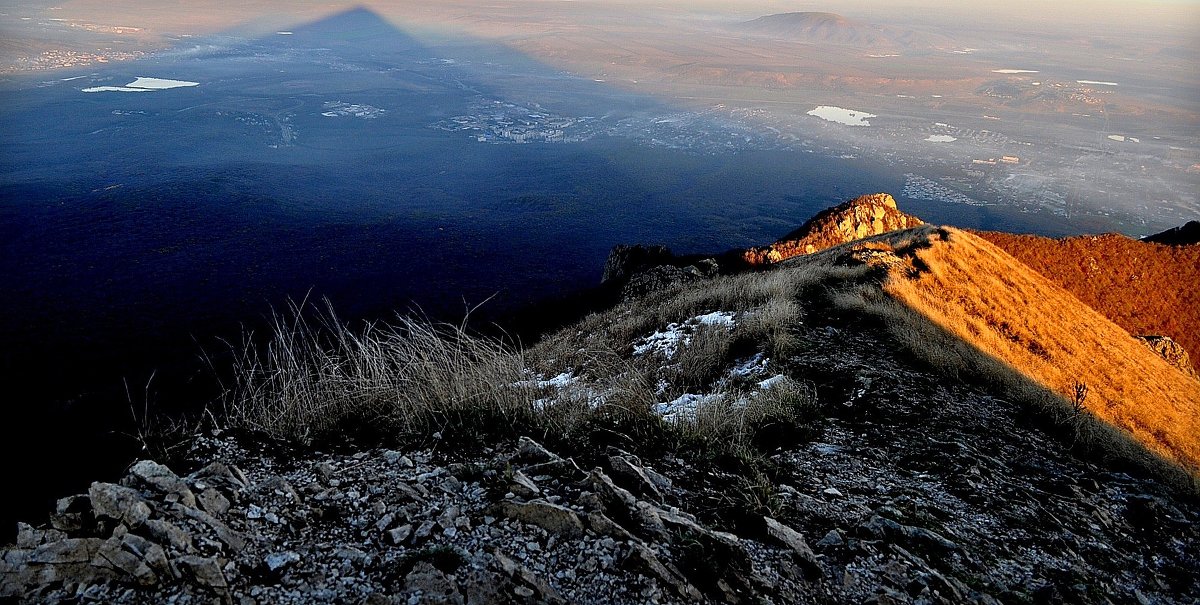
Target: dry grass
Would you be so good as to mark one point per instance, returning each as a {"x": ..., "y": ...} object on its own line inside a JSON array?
[
  {"x": 316, "y": 378},
  {"x": 968, "y": 308},
  {"x": 1142, "y": 287}
]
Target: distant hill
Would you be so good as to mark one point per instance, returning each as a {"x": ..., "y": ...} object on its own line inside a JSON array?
[
  {"x": 1146, "y": 288},
  {"x": 830, "y": 28},
  {"x": 1182, "y": 235}
]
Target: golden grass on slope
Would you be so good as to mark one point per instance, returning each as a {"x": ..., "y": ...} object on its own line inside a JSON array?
[
  {"x": 990, "y": 301},
  {"x": 1143, "y": 287}
]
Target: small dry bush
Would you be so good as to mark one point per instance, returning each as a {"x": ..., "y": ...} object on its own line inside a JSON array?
[
  {"x": 735, "y": 422},
  {"x": 316, "y": 378}
]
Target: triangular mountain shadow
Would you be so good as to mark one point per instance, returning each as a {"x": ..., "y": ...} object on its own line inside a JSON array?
[{"x": 353, "y": 27}]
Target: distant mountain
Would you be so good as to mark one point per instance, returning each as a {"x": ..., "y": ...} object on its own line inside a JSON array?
[
  {"x": 1182, "y": 235},
  {"x": 1146, "y": 288},
  {"x": 861, "y": 217},
  {"x": 830, "y": 28}
]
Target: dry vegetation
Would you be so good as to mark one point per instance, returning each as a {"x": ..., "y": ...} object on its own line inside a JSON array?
[
  {"x": 1144, "y": 288},
  {"x": 969, "y": 308},
  {"x": 955, "y": 301}
]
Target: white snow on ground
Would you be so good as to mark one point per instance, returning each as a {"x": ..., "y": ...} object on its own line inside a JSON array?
[
  {"x": 941, "y": 138},
  {"x": 144, "y": 85},
  {"x": 684, "y": 407},
  {"x": 561, "y": 381},
  {"x": 669, "y": 340},
  {"x": 749, "y": 367},
  {"x": 849, "y": 117},
  {"x": 1096, "y": 83},
  {"x": 160, "y": 83},
  {"x": 1015, "y": 71},
  {"x": 116, "y": 89},
  {"x": 1117, "y": 137}
]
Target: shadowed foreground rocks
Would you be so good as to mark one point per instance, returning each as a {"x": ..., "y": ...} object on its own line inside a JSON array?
[{"x": 915, "y": 490}]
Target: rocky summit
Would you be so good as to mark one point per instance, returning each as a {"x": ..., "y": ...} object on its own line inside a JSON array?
[{"x": 861, "y": 217}]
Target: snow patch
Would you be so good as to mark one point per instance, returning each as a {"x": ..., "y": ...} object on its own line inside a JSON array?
[
  {"x": 849, "y": 117},
  {"x": 750, "y": 367},
  {"x": 941, "y": 138},
  {"x": 669, "y": 340},
  {"x": 684, "y": 407},
  {"x": 144, "y": 85}
]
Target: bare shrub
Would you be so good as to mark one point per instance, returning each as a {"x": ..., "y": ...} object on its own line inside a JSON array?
[{"x": 315, "y": 377}]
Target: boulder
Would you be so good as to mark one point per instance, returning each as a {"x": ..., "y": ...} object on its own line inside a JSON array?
[
  {"x": 154, "y": 477},
  {"x": 119, "y": 503},
  {"x": 550, "y": 517},
  {"x": 794, "y": 541}
]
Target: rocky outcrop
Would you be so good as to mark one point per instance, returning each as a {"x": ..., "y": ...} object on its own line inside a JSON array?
[
  {"x": 522, "y": 526},
  {"x": 639, "y": 270},
  {"x": 624, "y": 260},
  {"x": 1183, "y": 235},
  {"x": 1171, "y": 351},
  {"x": 861, "y": 217}
]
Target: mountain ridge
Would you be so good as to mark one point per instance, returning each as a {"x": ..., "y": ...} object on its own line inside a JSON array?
[{"x": 911, "y": 415}]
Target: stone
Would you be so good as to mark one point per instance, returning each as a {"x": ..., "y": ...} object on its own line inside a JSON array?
[
  {"x": 794, "y": 541},
  {"x": 831, "y": 539},
  {"x": 643, "y": 560},
  {"x": 523, "y": 486},
  {"x": 226, "y": 476},
  {"x": 623, "y": 261},
  {"x": 118, "y": 503},
  {"x": 203, "y": 571},
  {"x": 213, "y": 502},
  {"x": 278, "y": 561},
  {"x": 523, "y": 576},
  {"x": 324, "y": 472},
  {"x": 400, "y": 534},
  {"x": 72, "y": 514},
  {"x": 886, "y": 529},
  {"x": 434, "y": 585},
  {"x": 31, "y": 537},
  {"x": 858, "y": 218},
  {"x": 634, "y": 477},
  {"x": 154, "y": 477},
  {"x": 1171, "y": 351},
  {"x": 604, "y": 526},
  {"x": 424, "y": 530},
  {"x": 529, "y": 450},
  {"x": 231, "y": 538},
  {"x": 120, "y": 559},
  {"x": 551, "y": 517}
]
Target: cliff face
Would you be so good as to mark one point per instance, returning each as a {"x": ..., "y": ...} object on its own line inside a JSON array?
[{"x": 865, "y": 216}]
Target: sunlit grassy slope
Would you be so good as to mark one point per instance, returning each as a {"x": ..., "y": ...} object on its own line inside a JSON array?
[
  {"x": 1002, "y": 309},
  {"x": 1143, "y": 287}
]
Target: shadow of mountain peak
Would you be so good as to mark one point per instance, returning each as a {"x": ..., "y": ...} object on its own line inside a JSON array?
[{"x": 352, "y": 26}]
